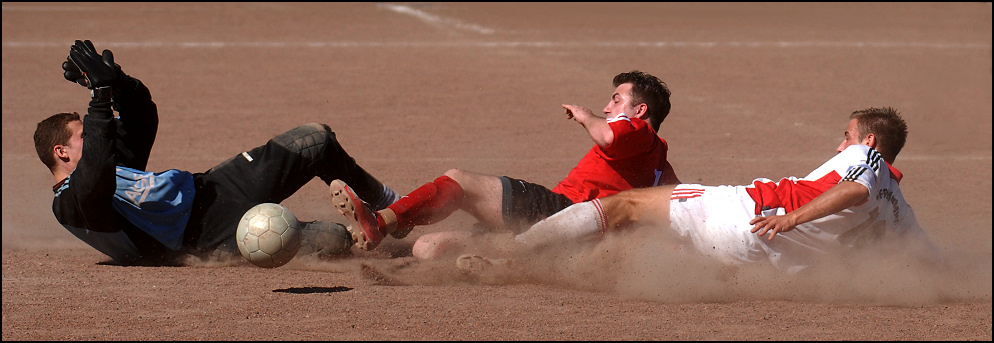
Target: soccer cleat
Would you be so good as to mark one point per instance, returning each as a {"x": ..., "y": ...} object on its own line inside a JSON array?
[
  {"x": 362, "y": 221},
  {"x": 474, "y": 264},
  {"x": 492, "y": 271}
]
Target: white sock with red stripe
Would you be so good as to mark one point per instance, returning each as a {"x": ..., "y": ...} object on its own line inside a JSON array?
[{"x": 577, "y": 221}]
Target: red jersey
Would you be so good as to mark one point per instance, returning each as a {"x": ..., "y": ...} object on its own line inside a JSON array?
[{"x": 635, "y": 159}]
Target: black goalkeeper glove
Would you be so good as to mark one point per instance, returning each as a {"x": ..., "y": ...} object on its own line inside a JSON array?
[
  {"x": 97, "y": 70},
  {"x": 72, "y": 73}
]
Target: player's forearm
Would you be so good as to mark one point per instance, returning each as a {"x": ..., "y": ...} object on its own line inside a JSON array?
[
  {"x": 134, "y": 100},
  {"x": 139, "y": 124},
  {"x": 93, "y": 179},
  {"x": 599, "y": 130},
  {"x": 841, "y": 196}
]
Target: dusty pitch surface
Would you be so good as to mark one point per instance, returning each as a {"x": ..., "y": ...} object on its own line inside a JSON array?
[{"x": 759, "y": 90}]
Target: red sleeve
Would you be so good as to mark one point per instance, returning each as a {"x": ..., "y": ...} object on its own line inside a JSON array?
[{"x": 632, "y": 137}]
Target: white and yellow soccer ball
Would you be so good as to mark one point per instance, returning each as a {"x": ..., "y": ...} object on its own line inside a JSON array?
[{"x": 268, "y": 235}]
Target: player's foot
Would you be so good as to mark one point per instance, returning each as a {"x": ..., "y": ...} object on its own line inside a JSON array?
[
  {"x": 474, "y": 264},
  {"x": 487, "y": 270},
  {"x": 362, "y": 221}
]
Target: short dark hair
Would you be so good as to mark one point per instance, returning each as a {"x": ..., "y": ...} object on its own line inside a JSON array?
[
  {"x": 887, "y": 125},
  {"x": 649, "y": 90},
  {"x": 53, "y": 131}
]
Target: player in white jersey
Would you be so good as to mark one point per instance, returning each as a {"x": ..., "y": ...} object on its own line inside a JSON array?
[{"x": 851, "y": 201}]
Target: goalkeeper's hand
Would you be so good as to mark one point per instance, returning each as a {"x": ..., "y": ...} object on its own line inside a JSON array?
[{"x": 94, "y": 70}]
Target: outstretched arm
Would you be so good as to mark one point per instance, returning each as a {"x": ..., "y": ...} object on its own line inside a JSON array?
[
  {"x": 597, "y": 127},
  {"x": 131, "y": 99},
  {"x": 108, "y": 141},
  {"x": 841, "y": 196}
]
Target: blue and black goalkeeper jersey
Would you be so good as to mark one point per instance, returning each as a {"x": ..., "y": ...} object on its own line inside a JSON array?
[{"x": 108, "y": 201}]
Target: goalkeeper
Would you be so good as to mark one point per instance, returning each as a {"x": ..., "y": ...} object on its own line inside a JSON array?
[{"x": 105, "y": 197}]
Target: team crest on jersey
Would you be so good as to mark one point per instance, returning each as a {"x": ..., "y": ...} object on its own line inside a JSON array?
[
  {"x": 139, "y": 190},
  {"x": 136, "y": 185}
]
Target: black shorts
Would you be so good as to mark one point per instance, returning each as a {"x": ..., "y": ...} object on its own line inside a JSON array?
[{"x": 527, "y": 203}]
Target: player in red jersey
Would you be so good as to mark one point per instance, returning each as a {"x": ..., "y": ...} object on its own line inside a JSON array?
[
  {"x": 628, "y": 154},
  {"x": 851, "y": 201}
]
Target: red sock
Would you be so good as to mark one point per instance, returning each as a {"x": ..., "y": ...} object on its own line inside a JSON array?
[{"x": 428, "y": 204}]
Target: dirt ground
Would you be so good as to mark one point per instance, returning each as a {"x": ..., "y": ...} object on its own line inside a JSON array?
[{"x": 414, "y": 89}]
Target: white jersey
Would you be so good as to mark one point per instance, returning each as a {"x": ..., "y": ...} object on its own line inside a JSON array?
[{"x": 717, "y": 218}]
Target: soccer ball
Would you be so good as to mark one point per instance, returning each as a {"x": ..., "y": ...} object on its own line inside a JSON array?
[{"x": 268, "y": 235}]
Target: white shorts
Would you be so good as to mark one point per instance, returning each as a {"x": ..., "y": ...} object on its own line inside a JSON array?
[{"x": 715, "y": 219}]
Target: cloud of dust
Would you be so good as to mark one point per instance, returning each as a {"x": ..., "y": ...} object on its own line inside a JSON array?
[
  {"x": 645, "y": 264},
  {"x": 648, "y": 264}
]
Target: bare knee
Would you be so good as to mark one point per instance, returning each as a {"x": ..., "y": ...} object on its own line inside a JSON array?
[
  {"x": 482, "y": 195},
  {"x": 459, "y": 175},
  {"x": 620, "y": 211},
  {"x": 438, "y": 245},
  {"x": 474, "y": 183},
  {"x": 636, "y": 207}
]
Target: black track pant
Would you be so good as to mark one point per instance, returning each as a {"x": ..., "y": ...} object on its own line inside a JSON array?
[{"x": 270, "y": 173}]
